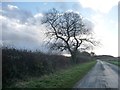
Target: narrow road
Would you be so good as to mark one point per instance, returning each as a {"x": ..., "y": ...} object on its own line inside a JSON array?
[{"x": 102, "y": 75}]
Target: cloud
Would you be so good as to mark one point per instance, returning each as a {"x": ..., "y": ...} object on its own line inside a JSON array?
[
  {"x": 13, "y": 12},
  {"x": 102, "y": 6},
  {"x": 89, "y": 24},
  {"x": 106, "y": 30},
  {"x": 20, "y": 33},
  {"x": 11, "y": 7},
  {"x": 38, "y": 15},
  {"x": 105, "y": 21}
]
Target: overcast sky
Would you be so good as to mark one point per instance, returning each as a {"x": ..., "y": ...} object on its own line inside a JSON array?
[{"x": 21, "y": 25}]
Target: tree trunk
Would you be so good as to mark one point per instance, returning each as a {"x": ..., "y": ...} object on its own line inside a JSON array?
[{"x": 73, "y": 58}]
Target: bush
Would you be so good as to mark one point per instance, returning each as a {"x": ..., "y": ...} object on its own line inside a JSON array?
[{"x": 20, "y": 64}]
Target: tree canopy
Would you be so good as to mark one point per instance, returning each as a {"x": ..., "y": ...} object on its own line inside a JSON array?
[{"x": 67, "y": 31}]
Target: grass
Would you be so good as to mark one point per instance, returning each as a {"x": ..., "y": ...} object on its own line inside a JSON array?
[
  {"x": 62, "y": 79},
  {"x": 115, "y": 62}
]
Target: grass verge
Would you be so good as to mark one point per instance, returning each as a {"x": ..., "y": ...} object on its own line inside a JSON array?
[
  {"x": 115, "y": 62},
  {"x": 62, "y": 79}
]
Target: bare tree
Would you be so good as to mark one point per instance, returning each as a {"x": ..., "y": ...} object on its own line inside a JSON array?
[{"x": 67, "y": 31}]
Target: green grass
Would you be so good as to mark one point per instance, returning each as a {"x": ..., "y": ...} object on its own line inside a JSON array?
[
  {"x": 62, "y": 79},
  {"x": 115, "y": 62}
]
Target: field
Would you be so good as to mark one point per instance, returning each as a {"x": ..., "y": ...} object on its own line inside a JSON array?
[
  {"x": 115, "y": 62},
  {"x": 62, "y": 79}
]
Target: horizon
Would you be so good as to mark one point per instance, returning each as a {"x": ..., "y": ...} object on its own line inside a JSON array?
[
  {"x": 26, "y": 33},
  {"x": 66, "y": 55}
]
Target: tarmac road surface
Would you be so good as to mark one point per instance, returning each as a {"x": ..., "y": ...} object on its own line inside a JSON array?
[{"x": 102, "y": 75}]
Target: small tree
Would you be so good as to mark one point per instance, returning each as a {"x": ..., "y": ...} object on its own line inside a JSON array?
[
  {"x": 67, "y": 31},
  {"x": 92, "y": 54}
]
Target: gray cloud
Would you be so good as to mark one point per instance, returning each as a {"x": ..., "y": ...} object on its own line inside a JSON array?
[
  {"x": 21, "y": 29},
  {"x": 23, "y": 16}
]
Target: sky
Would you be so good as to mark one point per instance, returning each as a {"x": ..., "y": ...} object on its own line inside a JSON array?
[{"x": 21, "y": 26}]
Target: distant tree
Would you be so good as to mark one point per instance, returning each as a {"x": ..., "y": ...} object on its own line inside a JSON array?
[
  {"x": 92, "y": 54},
  {"x": 86, "y": 54},
  {"x": 67, "y": 31}
]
